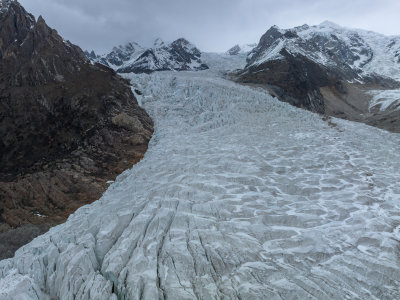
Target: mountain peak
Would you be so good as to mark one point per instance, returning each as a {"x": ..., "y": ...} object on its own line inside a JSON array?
[
  {"x": 40, "y": 20},
  {"x": 158, "y": 43},
  {"x": 329, "y": 24},
  {"x": 182, "y": 42}
]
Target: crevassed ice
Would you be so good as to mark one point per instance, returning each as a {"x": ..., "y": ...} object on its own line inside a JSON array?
[{"x": 238, "y": 197}]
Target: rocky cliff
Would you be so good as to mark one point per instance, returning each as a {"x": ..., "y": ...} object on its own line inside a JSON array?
[{"x": 67, "y": 127}]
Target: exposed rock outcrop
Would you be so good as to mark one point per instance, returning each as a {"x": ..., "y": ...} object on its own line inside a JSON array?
[{"x": 59, "y": 141}]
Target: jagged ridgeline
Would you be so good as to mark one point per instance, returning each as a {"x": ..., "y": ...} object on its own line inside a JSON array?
[
  {"x": 179, "y": 55},
  {"x": 66, "y": 127}
]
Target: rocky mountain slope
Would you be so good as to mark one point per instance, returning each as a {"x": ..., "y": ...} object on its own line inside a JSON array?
[
  {"x": 240, "y": 196},
  {"x": 66, "y": 127},
  {"x": 179, "y": 55},
  {"x": 331, "y": 70}
]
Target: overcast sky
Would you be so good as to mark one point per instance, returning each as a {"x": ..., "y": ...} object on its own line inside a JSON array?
[{"x": 213, "y": 25}]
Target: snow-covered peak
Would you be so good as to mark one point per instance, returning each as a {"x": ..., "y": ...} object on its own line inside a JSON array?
[
  {"x": 183, "y": 43},
  {"x": 302, "y": 27},
  {"x": 184, "y": 47},
  {"x": 277, "y": 28},
  {"x": 119, "y": 55},
  {"x": 180, "y": 55},
  {"x": 332, "y": 45}
]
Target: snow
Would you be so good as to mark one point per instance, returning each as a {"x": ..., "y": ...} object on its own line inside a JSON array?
[
  {"x": 273, "y": 54},
  {"x": 246, "y": 48},
  {"x": 385, "y": 99},
  {"x": 239, "y": 196}
]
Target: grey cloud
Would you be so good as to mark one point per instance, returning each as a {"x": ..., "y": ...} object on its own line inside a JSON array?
[{"x": 213, "y": 25}]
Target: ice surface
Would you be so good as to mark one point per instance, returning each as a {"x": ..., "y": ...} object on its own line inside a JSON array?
[{"x": 239, "y": 196}]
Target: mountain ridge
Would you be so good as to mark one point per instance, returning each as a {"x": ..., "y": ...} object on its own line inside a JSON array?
[{"x": 179, "y": 55}]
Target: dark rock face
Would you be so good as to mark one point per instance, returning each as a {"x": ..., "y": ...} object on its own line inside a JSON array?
[
  {"x": 91, "y": 55},
  {"x": 179, "y": 55},
  {"x": 66, "y": 127},
  {"x": 295, "y": 80}
]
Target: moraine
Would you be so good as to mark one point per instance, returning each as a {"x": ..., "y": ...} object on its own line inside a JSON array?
[{"x": 239, "y": 196}]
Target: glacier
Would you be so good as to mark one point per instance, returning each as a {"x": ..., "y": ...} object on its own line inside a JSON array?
[{"x": 240, "y": 196}]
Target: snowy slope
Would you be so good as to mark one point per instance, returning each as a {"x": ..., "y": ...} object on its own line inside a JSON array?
[
  {"x": 385, "y": 100},
  {"x": 331, "y": 45},
  {"x": 239, "y": 196}
]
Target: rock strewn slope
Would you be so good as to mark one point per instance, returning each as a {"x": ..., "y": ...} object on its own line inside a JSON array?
[{"x": 66, "y": 127}]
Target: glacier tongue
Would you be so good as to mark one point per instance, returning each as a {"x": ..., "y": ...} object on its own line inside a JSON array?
[{"x": 239, "y": 196}]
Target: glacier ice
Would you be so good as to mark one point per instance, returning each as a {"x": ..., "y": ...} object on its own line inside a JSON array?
[{"x": 239, "y": 196}]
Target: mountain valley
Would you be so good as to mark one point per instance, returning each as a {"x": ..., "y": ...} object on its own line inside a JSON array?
[{"x": 270, "y": 171}]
